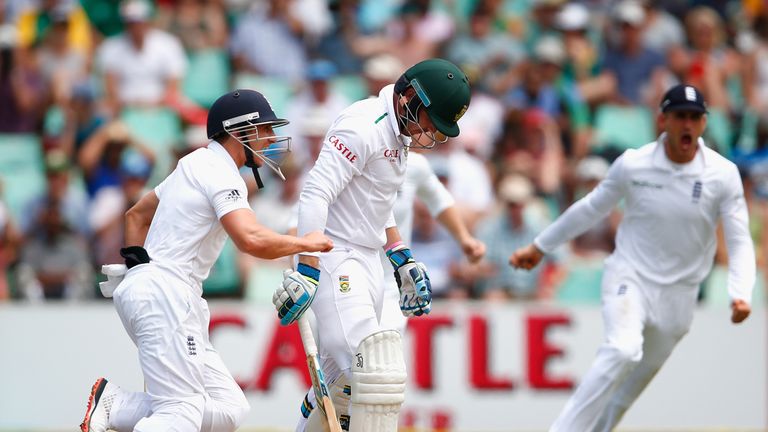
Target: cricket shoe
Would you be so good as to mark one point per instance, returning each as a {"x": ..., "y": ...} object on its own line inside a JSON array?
[{"x": 99, "y": 405}]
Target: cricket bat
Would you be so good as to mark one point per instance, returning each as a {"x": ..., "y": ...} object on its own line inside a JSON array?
[{"x": 323, "y": 399}]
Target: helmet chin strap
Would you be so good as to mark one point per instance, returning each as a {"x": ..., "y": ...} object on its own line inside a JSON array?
[{"x": 251, "y": 163}]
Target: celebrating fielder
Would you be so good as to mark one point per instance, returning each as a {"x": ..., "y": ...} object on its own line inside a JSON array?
[
  {"x": 173, "y": 236},
  {"x": 349, "y": 194},
  {"x": 675, "y": 191}
]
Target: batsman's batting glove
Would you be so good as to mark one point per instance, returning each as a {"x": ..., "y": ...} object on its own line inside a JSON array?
[
  {"x": 296, "y": 293},
  {"x": 412, "y": 281},
  {"x": 134, "y": 255}
]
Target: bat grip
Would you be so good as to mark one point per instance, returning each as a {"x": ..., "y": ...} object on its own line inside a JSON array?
[{"x": 307, "y": 338}]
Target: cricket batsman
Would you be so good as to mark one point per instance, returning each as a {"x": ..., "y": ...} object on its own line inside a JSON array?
[{"x": 349, "y": 194}]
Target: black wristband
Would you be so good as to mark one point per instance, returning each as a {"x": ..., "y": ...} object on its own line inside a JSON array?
[{"x": 134, "y": 255}]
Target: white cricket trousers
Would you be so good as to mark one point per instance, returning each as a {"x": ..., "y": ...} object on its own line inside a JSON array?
[
  {"x": 346, "y": 316},
  {"x": 371, "y": 304},
  {"x": 188, "y": 387},
  {"x": 643, "y": 323}
]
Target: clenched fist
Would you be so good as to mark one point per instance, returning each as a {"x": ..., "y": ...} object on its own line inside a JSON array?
[
  {"x": 526, "y": 258},
  {"x": 739, "y": 311}
]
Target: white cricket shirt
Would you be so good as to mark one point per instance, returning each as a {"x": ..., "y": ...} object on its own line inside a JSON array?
[
  {"x": 420, "y": 182},
  {"x": 668, "y": 233},
  {"x": 186, "y": 236},
  {"x": 350, "y": 191}
]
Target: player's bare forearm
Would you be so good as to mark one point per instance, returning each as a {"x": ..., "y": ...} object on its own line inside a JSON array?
[
  {"x": 310, "y": 260},
  {"x": 138, "y": 219},
  {"x": 473, "y": 249},
  {"x": 255, "y": 239},
  {"x": 393, "y": 236}
]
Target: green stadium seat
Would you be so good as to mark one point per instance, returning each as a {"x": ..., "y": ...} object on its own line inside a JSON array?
[
  {"x": 224, "y": 279},
  {"x": 582, "y": 284},
  {"x": 21, "y": 170},
  {"x": 353, "y": 87},
  {"x": 623, "y": 127},
  {"x": 719, "y": 131},
  {"x": 207, "y": 77},
  {"x": 277, "y": 91},
  {"x": 159, "y": 129},
  {"x": 715, "y": 290}
]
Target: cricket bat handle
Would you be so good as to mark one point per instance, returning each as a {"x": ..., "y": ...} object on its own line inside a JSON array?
[{"x": 307, "y": 338}]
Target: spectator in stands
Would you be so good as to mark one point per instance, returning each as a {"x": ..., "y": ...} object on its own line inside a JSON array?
[
  {"x": 142, "y": 66},
  {"x": 503, "y": 234},
  {"x": 583, "y": 62},
  {"x": 543, "y": 88},
  {"x": 756, "y": 77},
  {"x": 418, "y": 27},
  {"x": 662, "y": 30},
  {"x": 638, "y": 71},
  {"x": 441, "y": 254},
  {"x": 81, "y": 119},
  {"x": 101, "y": 155},
  {"x": 380, "y": 71},
  {"x": 23, "y": 92},
  {"x": 466, "y": 178},
  {"x": 317, "y": 96},
  {"x": 72, "y": 201},
  {"x": 36, "y": 22},
  {"x": 107, "y": 210},
  {"x": 267, "y": 41},
  {"x": 55, "y": 262},
  {"x": 199, "y": 24},
  {"x": 62, "y": 65},
  {"x": 530, "y": 145},
  {"x": 489, "y": 57},
  {"x": 707, "y": 63},
  {"x": 9, "y": 244},
  {"x": 543, "y": 20},
  {"x": 600, "y": 238}
]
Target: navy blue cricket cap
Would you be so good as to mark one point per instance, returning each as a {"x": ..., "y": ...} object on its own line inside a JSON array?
[{"x": 683, "y": 97}]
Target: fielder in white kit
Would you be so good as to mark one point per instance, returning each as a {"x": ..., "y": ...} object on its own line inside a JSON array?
[
  {"x": 349, "y": 193},
  {"x": 675, "y": 190},
  {"x": 173, "y": 236}
]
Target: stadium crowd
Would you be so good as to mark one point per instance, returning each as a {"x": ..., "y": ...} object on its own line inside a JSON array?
[{"x": 99, "y": 98}]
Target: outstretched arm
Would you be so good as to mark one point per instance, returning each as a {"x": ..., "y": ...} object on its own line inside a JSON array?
[
  {"x": 741, "y": 250},
  {"x": 473, "y": 248},
  {"x": 255, "y": 239}
]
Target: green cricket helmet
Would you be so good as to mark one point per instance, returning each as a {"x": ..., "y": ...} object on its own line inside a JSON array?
[{"x": 442, "y": 89}]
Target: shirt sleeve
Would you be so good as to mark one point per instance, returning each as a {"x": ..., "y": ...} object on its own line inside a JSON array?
[
  {"x": 391, "y": 222},
  {"x": 585, "y": 212},
  {"x": 429, "y": 189},
  {"x": 226, "y": 192},
  {"x": 160, "y": 188},
  {"x": 741, "y": 251},
  {"x": 342, "y": 157}
]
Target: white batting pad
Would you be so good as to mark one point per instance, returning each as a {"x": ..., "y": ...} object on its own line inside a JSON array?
[{"x": 378, "y": 383}]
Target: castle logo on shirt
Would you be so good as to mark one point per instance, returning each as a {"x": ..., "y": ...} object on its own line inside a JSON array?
[
  {"x": 344, "y": 283},
  {"x": 392, "y": 155},
  {"x": 233, "y": 195},
  {"x": 345, "y": 151},
  {"x": 696, "y": 194}
]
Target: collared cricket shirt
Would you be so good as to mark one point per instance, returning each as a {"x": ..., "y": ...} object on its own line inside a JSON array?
[
  {"x": 186, "y": 236},
  {"x": 668, "y": 232}
]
